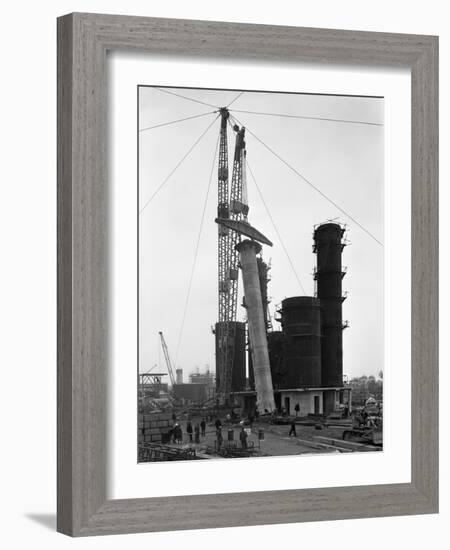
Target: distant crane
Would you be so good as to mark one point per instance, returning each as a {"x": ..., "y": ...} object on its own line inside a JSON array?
[
  {"x": 167, "y": 358},
  {"x": 152, "y": 368}
]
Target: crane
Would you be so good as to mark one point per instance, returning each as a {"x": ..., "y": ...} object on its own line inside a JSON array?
[
  {"x": 167, "y": 358},
  {"x": 247, "y": 251},
  {"x": 152, "y": 368},
  {"x": 232, "y": 206}
]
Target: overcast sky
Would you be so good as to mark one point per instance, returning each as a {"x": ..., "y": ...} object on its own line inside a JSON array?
[{"x": 345, "y": 161}]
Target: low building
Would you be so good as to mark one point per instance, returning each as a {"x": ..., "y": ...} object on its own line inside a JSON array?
[
  {"x": 310, "y": 400},
  {"x": 191, "y": 392},
  {"x": 208, "y": 379}
]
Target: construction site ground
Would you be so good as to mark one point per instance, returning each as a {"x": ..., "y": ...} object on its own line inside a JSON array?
[{"x": 276, "y": 442}]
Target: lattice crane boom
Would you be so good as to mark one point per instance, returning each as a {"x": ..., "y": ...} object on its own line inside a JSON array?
[
  {"x": 223, "y": 212},
  {"x": 167, "y": 358},
  {"x": 231, "y": 206},
  {"x": 223, "y": 244}
]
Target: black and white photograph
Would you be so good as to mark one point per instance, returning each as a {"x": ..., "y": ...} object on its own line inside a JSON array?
[
  {"x": 260, "y": 273},
  {"x": 221, "y": 243}
]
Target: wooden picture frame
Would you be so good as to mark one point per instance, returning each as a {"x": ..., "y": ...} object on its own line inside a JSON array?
[{"x": 83, "y": 41}]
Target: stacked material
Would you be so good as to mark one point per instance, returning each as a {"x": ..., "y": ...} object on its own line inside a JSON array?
[{"x": 154, "y": 427}]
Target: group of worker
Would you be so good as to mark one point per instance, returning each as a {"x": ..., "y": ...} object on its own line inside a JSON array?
[
  {"x": 243, "y": 435},
  {"x": 194, "y": 432}
]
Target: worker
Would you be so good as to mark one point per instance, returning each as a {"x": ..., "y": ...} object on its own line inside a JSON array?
[
  {"x": 292, "y": 431},
  {"x": 197, "y": 432},
  {"x": 219, "y": 438},
  {"x": 189, "y": 430},
  {"x": 203, "y": 427},
  {"x": 218, "y": 423},
  {"x": 174, "y": 432},
  {"x": 297, "y": 409},
  {"x": 364, "y": 415},
  {"x": 243, "y": 437},
  {"x": 178, "y": 434}
]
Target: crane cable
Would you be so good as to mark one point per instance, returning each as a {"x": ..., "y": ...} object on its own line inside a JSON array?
[
  {"x": 175, "y": 121},
  {"x": 276, "y": 229},
  {"x": 185, "y": 97},
  {"x": 310, "y": 184},
  {"x": 235, "y": 99},
  {"x": 194, "y": 262},
  {"x": 310, "y": 117},
  {"x": 166, "y": 179}
]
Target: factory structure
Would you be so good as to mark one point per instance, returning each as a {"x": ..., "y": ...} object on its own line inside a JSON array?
[
  {"x": 296, "y": 365},
  {"x": 269, "y": 371},
  {"x": 299, "y": 366},
  {"x": 305, "y": 353}
]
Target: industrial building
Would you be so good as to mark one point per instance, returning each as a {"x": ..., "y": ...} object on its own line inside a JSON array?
[
  {"x": 235, "y": 382},
  {"x": 207, "y": 379},
  {"x": 269, "y": 372},
  {"x": 179, "y": 376},
  {"x": 306, "y": 355},
  {"x": 201, "y": 386},
  {"x": 298, "y": 367},
  {"x": 190, "y": 392}
]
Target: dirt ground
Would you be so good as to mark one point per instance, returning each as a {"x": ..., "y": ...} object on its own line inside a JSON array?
[{"x": 276, "y": 440}]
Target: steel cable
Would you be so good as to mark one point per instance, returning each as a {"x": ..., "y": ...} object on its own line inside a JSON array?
[
  {"x": 331, "y": 201},
  {"x": 197, "y": 246},
  {"x": 310, "y": 117},
  {"x": 276, "y": 229},
  {"x": 185, "y": 97},
  {"x": 175, "y": 121},
  {"x": 166, "y": 179}
]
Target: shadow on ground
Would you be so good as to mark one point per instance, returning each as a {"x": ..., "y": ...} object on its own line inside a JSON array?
[{"x": 46, "y": 520}]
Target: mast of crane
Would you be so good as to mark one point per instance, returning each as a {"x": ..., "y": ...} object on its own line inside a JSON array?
[
  {"x": 223, "y": 248},
  {"x": 238, "y": 212},
  {"x": 233, "y": 207},
  {"x": 167, "y": 358}
]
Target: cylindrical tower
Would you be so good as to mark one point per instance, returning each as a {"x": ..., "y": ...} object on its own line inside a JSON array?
[
  {"x": 275, "y": 341},
  {"x": 179, "y": 376},
  {"x": 256, "y": 325},
  {"x": 328, "y": 246},
  {"x": 263, "y": 272},
  {"x": 300, "y": 320}
]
